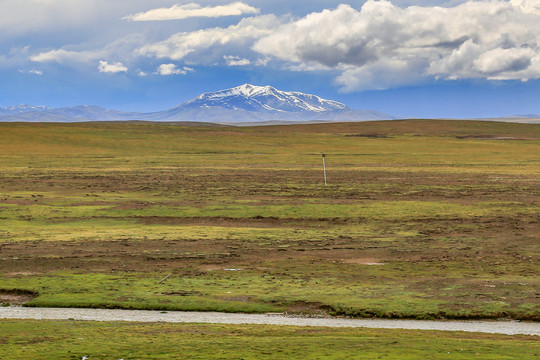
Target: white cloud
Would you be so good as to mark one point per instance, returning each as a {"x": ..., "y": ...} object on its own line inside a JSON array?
[
  {"x": 58, "y": 56},
  {"x": 172, "y": 69},
  {"x": 528, "y": 6},
  {"x": 215, "y": 40},
  {"x": 178, "y": 12},
  {"x": 384, "y": 74},
  {"x": 236, "y": 60},
  {"x": 121, "y": 48},
  {"x": 263, "y": 61},
  {"x": 105, "y": 67},
  {"x": 33, "y": 72},
  {"x": 382, "y": 45},
  {"x": 503, "y": 60},
  {"x": 377, "y": 45}
]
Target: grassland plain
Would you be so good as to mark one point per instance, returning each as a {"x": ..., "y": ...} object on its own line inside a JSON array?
[
  {"x": 94, "y": 340},
  {"x": 421, "y": 219}
]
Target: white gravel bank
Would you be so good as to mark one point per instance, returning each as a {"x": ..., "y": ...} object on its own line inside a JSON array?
[{"x": 493, "y": 327}]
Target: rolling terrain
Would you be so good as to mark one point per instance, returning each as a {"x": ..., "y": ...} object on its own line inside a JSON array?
[{"x": 421, "y": 219}]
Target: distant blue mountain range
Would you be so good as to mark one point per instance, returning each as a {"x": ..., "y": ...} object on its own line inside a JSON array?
[{"x": 242, "y": 104}]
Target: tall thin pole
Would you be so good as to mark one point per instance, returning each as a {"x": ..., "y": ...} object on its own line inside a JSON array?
[{"x": 324, "y": 168}]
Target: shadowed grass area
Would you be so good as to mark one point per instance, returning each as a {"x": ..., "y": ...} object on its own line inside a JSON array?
[
  {"x": 421, "y": 219},
  {"x": 93, "y": 340}
]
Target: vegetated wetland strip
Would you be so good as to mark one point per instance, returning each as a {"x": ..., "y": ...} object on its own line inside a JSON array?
[
  {"x": 492, "y": 327},
  {"x": 98, "y": 215}
]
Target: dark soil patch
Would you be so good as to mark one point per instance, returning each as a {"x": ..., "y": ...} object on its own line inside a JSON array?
[
  {"x": 375, "y": 136},
  {"x": 183, "y": 293},
  {"x": 311, "y": 309},
  {"x": 16, "y": 296}
]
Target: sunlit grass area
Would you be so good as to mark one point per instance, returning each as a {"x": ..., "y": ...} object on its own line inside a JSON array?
[
  {"x": 93, "y": 340},
  {"x": 421, "y": 219}
]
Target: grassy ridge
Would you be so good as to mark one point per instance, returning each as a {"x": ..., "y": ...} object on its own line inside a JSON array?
[{"x": 421, "y": 219}]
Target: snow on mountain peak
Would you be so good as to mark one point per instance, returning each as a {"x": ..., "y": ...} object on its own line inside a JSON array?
[
  {"x": 241, "y": 104},
  {"x": 265, "y": 98}
]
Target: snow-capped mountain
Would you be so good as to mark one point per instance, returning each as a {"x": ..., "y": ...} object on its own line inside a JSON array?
[
  {"x": 242, "y": 104},
  {"x": 248, "y": 103},
  {"x": 263, "y": 98}
]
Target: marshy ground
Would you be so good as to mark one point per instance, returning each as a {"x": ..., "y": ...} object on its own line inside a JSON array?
[{"x": 421, "y": 219}]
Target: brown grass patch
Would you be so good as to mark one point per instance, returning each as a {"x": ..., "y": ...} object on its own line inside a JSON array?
[{"x": 363, "y": 261}]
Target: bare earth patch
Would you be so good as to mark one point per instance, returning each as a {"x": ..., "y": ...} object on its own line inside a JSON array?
[
  {"x": 363, "y": 261},
  {"x": 16, "y": 297}
]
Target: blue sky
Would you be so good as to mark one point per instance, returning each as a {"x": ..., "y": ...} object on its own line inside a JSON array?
[{"x": 423, "y": 58}]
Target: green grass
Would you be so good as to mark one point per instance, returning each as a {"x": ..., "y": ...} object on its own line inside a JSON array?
[
  {"x": 94, "y": 340},
  {"x": 421, "y": 219},
  {"x": 372, "y": 211}
]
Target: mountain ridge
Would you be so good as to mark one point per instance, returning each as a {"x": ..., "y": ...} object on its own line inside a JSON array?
[
  {"x": 269, "y": 99},
  {"x": 242, "y": 104}
]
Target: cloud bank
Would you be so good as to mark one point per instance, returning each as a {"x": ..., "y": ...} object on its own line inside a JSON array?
[
  {"x": 218, "y": 40},
  {"x": 382, "y": 45},
  {"x": 378, "y": 45}
]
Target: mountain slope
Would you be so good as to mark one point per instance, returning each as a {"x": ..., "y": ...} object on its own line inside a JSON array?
[
  {"x": 249, "y": 103},
  {"x": 263, "y": 99},
  {"x": 242, "y": 104}
]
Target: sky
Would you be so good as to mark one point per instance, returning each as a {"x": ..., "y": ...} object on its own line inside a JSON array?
[{"x": 422, "y": 59}]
